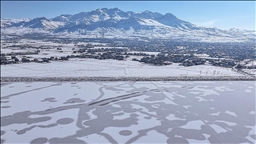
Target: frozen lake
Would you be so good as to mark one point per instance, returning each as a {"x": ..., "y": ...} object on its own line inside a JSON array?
[{"x": 128, "y": 112}]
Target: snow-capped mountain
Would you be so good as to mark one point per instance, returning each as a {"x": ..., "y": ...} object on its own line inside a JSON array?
[
  {"x": 10, "y": 22},
  {"x": 40, "y": 22},
  {"x": 62, "y": 18},
  {"x": 115, "y": 23}
]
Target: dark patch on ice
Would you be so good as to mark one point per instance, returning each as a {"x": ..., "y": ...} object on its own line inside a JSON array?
[
  {"x": 4, "y": 101},
  {"x": 133, "y": 115},
  {"x": 57, "y": 109},
  {"x": 2, "y": 141},
  {"x": 65, "y": 141},
  {"x": 48, "y": 126},
  {"x": 14, "y": 130},
  {"x": 109, "y": 138},
  {"x": 110, "y": 100},
  {"x": 101, "y": 95},
  {"x": 28, "y": 86},
  {"x": 2, "y": 132},
  {"x": 11, "y": 86},
  {"x": 74, "y": 100},
  {"x": 49, "y": 100},
  {"x": 16, "y": 94},
  {"x": 190, "y": 87},
  {"x": 64, "y": 121},
  {"x": 155, "y": 90},
  {"x": 5, "y": 106},
  {"x": 39, "y": 140},
  {"x": 20, "y": 118},
  {"x": 75, "y": 94},
  {"x": 253, "y": 136},
  {"x": 113, "y": 88},
  {"x": 147, "y": 117},
  {"x": 188, "y": 133},
  {"x": 20, "y": 132},
  {"x": 125, "y": 132},
  {"x": 215, "y": 139},
  {"x": 177, "y": 140},
  {"x": 118, "y": 114}
]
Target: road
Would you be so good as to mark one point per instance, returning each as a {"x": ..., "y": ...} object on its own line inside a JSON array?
[{"x": 173, "y": 78}]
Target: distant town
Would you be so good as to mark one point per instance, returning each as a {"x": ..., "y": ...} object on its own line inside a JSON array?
[{"x": 229, "y": 55}]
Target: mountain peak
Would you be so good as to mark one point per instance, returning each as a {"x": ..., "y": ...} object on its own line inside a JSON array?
[
  {"x": 41, "y": 18},
  {"x": 170, "y": 16},
  {"x": 99, "y": 10},
  {"x": 109, "y": 9},
  {"x": 116, "y": 9},
  {"x": 147, "y": 11}
]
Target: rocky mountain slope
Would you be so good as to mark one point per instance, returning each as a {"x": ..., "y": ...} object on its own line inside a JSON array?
[{"x": 115, "y": 23}]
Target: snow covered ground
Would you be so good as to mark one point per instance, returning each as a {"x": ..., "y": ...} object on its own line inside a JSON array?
[
  {"x": 108, "y": 68},
  {"x": 128, "y": 112},
  {"x": 250, "y": 71},
  {"x": 4, "y": 51},
  {"x": 251, "y": 63},
  {"x": 107, "y": 47}
]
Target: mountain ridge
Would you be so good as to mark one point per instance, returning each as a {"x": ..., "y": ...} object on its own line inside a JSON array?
[{"x": 115, "y": 23}]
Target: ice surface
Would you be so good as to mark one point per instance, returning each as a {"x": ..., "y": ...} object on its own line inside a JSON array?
[
  {"x": 151, "y": 138},
  {"x": 228, "y": 123},
  {"x": 193, "y": 125},
  {"x": 172, "y": 117},
  {"x": 231, "y": 113},
  {"x": 218, "y": 129},
  {"x": 127, "y": 112},
  {"x": 217, "y": 113}
]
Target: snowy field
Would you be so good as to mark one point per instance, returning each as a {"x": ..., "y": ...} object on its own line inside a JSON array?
[
  {"x": 109, "y": 68},
  {"x": 251, "y": 63},
  {"x": 47, "y": 49},
  {"x": 128, "y": 112},
  {"x": 250, "y": 71},
  {"x": 9, "y": 50}
]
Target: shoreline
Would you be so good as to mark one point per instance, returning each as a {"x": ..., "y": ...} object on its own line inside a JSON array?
[{"x": 85, "y": 79}]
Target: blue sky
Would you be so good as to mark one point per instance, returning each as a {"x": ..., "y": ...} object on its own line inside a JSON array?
[{"x": 223, "y": 15}]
